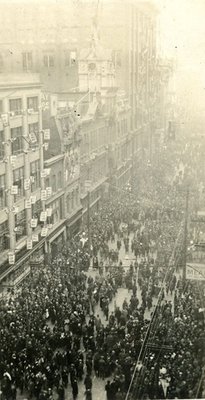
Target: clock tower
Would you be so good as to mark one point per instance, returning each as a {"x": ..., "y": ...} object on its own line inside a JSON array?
[{"x": 95, "y": 66}]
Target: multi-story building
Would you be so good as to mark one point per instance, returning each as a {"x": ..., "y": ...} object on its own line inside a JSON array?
[
  {"x": 102, "y": 83},
  {"x": 165, "y": 102},
  {"x": 63, "y": 161},
  {"x": 39, "y": 184},
  {"x": 104, "y": 115},
  {"x": 29, "y": 45},
  {"x": 105, "y": 128},
  {"x": 129, "y": 28},
  {"x": 53, "y": 49},
  {"x": 21, "y": 164}
]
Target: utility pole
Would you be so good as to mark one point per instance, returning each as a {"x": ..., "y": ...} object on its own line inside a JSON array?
[
  {"x": 185, "y": 234},
  {"x": 132, "y": 165},
  {"x": 88, "y": 222}
]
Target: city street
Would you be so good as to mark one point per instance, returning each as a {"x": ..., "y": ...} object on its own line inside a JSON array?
[
  {"x": 102, "y": 200},
  {"x": 98, "y": 390}
]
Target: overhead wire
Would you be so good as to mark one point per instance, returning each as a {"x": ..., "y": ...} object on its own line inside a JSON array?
[{"x": 150, "y": 324}]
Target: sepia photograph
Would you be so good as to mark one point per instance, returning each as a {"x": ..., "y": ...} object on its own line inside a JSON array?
[{"x": 102, "y": 199}]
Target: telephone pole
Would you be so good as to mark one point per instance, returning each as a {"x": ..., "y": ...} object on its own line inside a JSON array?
[
  {"x": 185, "y": 234},
  {"x": 88, "y": 222}
]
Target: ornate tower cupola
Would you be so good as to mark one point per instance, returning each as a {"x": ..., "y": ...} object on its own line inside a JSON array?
[{"x": 95, "y": 68}]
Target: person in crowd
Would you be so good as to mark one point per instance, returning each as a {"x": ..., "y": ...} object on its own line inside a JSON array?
[{"x": 51, "y": 336}]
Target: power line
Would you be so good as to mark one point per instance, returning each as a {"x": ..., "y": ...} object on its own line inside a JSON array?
[{"x": 152, "y": 318}]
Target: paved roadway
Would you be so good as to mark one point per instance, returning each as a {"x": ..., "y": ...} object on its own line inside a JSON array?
[{"x": 98, "y": 390}]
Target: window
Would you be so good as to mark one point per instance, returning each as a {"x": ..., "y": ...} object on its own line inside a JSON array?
[
  {"x": 2, "y": 192},
  {"x": 27, "y": 61},
  {"x": 17, "y": 145},
  {"x": 48, "y": 60},
  {"x": 47, "y": 182},
  {"x": 32, "y": 103},
  {"x": 55, "y": 212},
  {"x": 59, "y": 180},
  {"x": 18, "y": 180},
  {"x": 20, "y": 224},
  {"x": 1, "y": 145},
  {"x": 72, "y": 58},
  {"x": 53, "y": 183},
  {"x": 36, "y": 210},
  {"x": 4, "y": 236},
  {"x": 68, "y": 204},
  {"x": 35, "y": 173},
  {"x": 34, "y": 132},
  {"x": 15, "y": 106}
]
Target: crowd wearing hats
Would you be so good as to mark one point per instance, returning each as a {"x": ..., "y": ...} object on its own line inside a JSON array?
[{"x": 51, "y": 337}]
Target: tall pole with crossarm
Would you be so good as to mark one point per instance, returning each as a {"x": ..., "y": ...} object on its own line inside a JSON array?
[{"x": 185, "y": 234}]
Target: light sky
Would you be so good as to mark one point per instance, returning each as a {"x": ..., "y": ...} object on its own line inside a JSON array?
[
  {"x": 182, "y": 36},
  {"x": 183, "y": 30}
]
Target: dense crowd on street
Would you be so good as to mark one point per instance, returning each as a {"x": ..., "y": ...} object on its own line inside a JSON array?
[{"x": 51, "y": 336}]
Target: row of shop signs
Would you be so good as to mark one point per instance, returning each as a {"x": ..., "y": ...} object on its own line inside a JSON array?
[{"x": 29, "y": 242}]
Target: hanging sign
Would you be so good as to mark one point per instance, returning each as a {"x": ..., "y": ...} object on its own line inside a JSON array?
[
  {"x": 13, "y": 160},
  {"x": 29, "y": 244},
  {"x": 33, "y": 199},
  {"x": 11, "y": 257},
  {"x": 35, "y": 238},
  {"x": 5, "y": 119},
  {"x": 46, "y": 146},
  {"x": 49, "y": 212},
  {"x": 34, "y": 222},
  {"x": 46, "y": 134},
  {"x": 32, "y": 137},
  {"x": 49, "y": 191},
  {"x": 44, "y": 101},
  {"x": 26, "y": 184},
  {"x": 44, "y": 232},
  {"x": 43, "y": 216},
  {"x": 43, "y": 174},
  {"x": 28, "y": 203},
  {"x": 14, "y": 189},
  {"x": 43, "y": 195}
]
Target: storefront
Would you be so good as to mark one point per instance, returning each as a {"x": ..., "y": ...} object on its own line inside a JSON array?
[
  {"x": 15, "y": 274},
  {"x": 73, "y": 224}
]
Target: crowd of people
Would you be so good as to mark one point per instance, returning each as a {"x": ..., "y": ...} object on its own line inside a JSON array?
[{"x": 51, "y": 336}]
